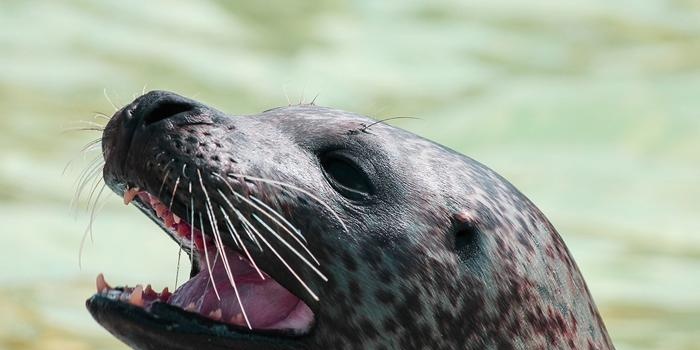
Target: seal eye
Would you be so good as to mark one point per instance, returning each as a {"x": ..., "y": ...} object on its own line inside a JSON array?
[{"x": 346, "y": 177}]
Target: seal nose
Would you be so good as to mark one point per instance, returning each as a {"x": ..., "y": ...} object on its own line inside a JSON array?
[{"x": 160, "y": 105}]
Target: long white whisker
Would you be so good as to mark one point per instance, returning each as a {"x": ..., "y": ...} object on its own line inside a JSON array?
[
  {"x": 220, "y": 247},
  {"x": 279, "y": 216},
  {"x": 101, "y": 115},
  {"x": 88, "y": 229},
  {"x": 89, "y": 147},
  {"x": 278, "y": 224},
  {"x": 286, "y": 244},
  {"x": 236, "y": 237},
  {"x": 286, "y": 185},
  {"x": 94, "y": 187},
  {"x": 284, "y": 262},
  {"x": 87, "y": 122},
  {"x": 179, "y": 257},
  {"x": 87, "y": 173},
  {"x": 104, "y": 92},
  {"x": 250, "y": 234},
  {"x": 90, "y": 175},
  {"x": 192, "y": 252},
  {"x": 206, "y": 257},
  {"x": 81, "y": 128},
  {"x": 172, "y": 198},
  {"x": 239, "y": 196},
  {"x": 165, "y": 177}
]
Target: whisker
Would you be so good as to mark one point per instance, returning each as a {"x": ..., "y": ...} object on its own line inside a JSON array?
[
  {"x": 191, "y": 220},
  {"x": 284, "y": 262},
  {"x": 95, "y": 163},
  {"x": 179, "y": 256},
  {"x": 165, "y": 176},
  {"x": 213, "y": 223},
  {"x": 98, "y": 180},
  {"x": 88, "y": 229},
  {"x": 101, "y": 115},
  {"x": 238, "y": 214},
  {"x": 93, "y": 145},
  {"x": 290, "y": 186},
  {"x": 90, "y": 146},
  {"x": 81, "y": 128},
  {"x": 104, "y": 92},
  {"x": 87, "y": 170},
  {"x": 239, "y": 196},
  {"x": 275, "y": 221},
  {"x": 220, "y": 248},
  {"x": 90, "y": 174},
  {"x": 217, "y": 236},
  {"x": 206, "y": 257},
  {"x": 234, "y": 234},
  {"x": 279, "y": 216},
  {"x": 286, "y": 244},
  {"x": 87, "y": 122},
  {"x": 172, "y": 198}
]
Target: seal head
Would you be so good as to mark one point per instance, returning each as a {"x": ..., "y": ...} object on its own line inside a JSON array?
[{"x": 312, "y": 228}]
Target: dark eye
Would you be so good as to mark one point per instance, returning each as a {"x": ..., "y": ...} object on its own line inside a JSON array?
[{"x": 346, "y": 177}]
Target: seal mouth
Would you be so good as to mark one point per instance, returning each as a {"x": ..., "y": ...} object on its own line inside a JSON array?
[{"x": 225, "y": 285}]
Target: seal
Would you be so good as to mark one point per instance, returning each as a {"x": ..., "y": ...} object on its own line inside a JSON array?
[{"x": 314, "y": 228}]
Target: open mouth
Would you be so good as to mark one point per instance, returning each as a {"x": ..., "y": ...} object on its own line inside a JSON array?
[{"x": 225, "y": 285}]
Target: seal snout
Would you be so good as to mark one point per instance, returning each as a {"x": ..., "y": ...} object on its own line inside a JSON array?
[{"x": 145, "y": 118}]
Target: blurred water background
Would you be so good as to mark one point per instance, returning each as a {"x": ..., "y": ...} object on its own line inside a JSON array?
[{"x": 591, "y": 108}]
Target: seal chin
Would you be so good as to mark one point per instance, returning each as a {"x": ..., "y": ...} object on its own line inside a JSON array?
[{"x": 235, "y": 298}]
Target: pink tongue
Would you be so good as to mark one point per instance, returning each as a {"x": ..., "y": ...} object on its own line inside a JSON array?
[{"x": 265, "y": 302}]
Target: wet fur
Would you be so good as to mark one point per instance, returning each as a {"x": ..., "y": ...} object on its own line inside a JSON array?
[{"x": 446, "y": 254}]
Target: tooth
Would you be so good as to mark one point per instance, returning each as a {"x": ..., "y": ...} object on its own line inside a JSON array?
[
  {"x": 129, "y": 195},
  {"x": 101, "y": 284},
  {"x": 148, "y": 291},
  {"x": 176, "y": 219},
  {"x": 191, "y": 307},
  {"x": 215, "y": 315},
  {"x": 165, "y": 294},
  {"x": 137, "y": 296},
  {"x": 238, "y": 319}
]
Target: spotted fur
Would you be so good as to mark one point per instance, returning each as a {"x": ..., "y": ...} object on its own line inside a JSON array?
[{"x": 446, "y": 255}]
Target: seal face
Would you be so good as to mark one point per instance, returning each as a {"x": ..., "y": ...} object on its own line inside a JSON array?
[{"x": 313, "y": 228}]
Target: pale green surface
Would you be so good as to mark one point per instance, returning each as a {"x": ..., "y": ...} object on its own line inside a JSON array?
[{"x": 591, "y": 108}]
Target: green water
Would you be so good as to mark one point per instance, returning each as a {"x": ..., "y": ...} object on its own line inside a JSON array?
[{"x": 591, "y": 108}]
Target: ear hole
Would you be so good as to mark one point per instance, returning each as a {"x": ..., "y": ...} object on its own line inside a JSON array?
[
  {"x": 466, "y": 237},
  {"x": 466, "y": 242}
]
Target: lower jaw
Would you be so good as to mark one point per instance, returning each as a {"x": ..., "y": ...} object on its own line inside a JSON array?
[{"x": 257, "y": 301}]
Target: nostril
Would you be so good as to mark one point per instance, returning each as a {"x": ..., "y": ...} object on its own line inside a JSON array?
[{"x": 165, "y": 110}]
